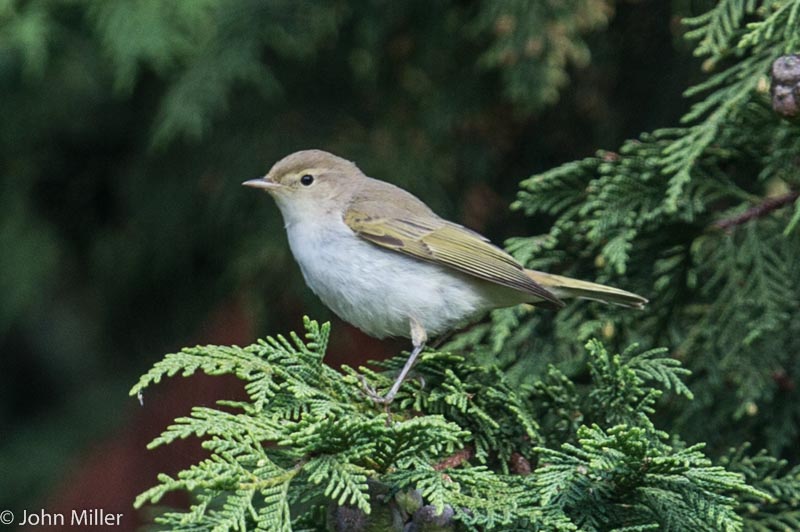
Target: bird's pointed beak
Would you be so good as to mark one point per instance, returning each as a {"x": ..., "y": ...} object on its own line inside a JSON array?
[{"x": 263, "y": 183}]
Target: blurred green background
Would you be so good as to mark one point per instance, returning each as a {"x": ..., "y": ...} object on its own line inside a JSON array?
[{"x": 127, "y": 128}]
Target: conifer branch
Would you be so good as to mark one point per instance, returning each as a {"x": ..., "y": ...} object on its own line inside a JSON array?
[
  {"x": 307, "y": 444},
  {"x": 757, "y": 211}
]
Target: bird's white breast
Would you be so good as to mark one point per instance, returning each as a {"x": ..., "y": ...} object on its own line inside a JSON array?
[{"x": 377, "y": 289}]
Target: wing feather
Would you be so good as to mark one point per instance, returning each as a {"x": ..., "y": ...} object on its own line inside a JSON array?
[{"x": 447, "y": 244}]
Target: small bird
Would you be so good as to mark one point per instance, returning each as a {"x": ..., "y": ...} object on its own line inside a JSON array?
[{"x": 383, "y": 261}]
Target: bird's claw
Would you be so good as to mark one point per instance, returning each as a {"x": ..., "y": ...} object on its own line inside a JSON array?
[{"x": 370, "y": 392}]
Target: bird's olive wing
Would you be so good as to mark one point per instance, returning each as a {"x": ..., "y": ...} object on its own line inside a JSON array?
[{"x": 441, "y": 242}]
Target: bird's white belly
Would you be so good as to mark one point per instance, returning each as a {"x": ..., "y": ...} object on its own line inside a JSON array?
[{"x": 377, "y": 289}]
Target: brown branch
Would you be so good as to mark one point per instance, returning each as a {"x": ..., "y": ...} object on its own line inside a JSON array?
[
  {"x": 757, "y": 211},
  {"x": 455, "y": 460}
]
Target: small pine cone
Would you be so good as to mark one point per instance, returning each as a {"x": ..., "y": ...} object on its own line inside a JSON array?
[{"x": 786, "y": 86}]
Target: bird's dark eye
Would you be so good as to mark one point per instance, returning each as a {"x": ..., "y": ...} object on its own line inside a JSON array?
[{"x": 307, "y": 180}]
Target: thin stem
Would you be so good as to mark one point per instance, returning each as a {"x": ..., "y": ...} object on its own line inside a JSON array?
[{"x": 757, "y": 211}]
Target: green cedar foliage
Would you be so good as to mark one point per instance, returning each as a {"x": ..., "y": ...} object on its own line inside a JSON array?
[
  {"x": 702, "y": 219},
  {"x": 535, "y": 42},
  {"x": 309, "y": 449}
]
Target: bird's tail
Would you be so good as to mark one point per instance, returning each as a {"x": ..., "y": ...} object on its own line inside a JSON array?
[{"x": 565, "y": 287}]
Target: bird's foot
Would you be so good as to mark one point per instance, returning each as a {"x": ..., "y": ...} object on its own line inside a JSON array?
[{"x": 370, "y": 392}]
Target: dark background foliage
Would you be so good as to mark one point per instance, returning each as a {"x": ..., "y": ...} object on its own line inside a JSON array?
[{"x": 127, "y": 128}]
